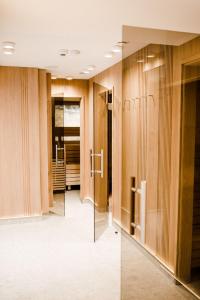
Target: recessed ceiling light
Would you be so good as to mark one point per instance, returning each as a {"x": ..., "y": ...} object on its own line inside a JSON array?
[
  {"x": 8, "y": 45},
  {"x": 63, "y": 52},
  {"x": 117, "y": 49},
  {"x": 8, "y": 51},
  {"x": 108, "y": 55},
  {"x": 140, "y": 60},
  {"x": 73, "y": 52},
  {"x": 122, "y": 43},
  {"x": 85, "y": 72},
  {"x": 91, "y": 67},
  {"x": 151, "y": 55},
  {"x": 69, "y": 78}
]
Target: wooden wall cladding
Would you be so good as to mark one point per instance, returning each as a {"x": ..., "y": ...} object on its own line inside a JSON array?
[
  {"x": 183, "y": 145},
  {"x": 21, "y": 154},
  {"x": 184, "y": 103},
  {"x": 146, "y": 146},
  {"x": 43, "y": 121}
]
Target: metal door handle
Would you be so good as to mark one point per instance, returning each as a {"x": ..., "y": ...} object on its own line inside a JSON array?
[
  {"x": 142, "y": 192},
  {"x": 57, "y": 148},
  {"x": 92, "y": 155}
]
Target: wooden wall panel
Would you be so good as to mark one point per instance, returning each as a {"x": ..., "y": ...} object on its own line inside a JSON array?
[
  {"x": 146, "y": 146},
  {"x": 181, "y": 189},
  {"x": 19, "y": 143},
  {"x": 78, "y": 88},
  {"x": 43, "y": 121}
]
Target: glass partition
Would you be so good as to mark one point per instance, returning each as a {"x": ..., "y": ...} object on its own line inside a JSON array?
[{"x": 160, "y": 164}]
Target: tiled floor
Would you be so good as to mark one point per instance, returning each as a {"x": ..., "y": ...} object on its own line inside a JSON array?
[{"x": 55, "y": 258}]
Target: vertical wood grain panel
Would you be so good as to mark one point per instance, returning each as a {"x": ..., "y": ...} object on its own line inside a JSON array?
[
  {"x": 183, "y": 159},
  {"x": 19, "y": 143},
  {"x": 146, "y": 135},
  {"x": 43, "y": 118},
  {"x": 111, "y": 79}
]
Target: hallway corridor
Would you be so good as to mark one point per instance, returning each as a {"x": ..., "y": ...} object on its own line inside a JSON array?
[{"x": 54, "y": 258}]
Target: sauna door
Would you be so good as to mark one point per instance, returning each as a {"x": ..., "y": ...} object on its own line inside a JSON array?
[
  {"x": 58, "y": 157},
  {"x": 100, "y": 159}
]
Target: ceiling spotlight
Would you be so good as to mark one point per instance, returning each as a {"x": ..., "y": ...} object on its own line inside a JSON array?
[
  {"x": 63, "y": 52},
  {"x": 69, "y": 78},
  {"x": 140, "y": 60},
  {"x": 73, "y": 52},
  {"x": 8, "y": 45},
  {"x": 91, "y": 68},
  {"x": 122, "y": 43},
  {"x": 85, "y": 72},
  {"x": 151, "y": 55},
  {"x": 108, "y": 55},
  {"x": 117, "y": 49},
  {"x": 8, "y": 51}
]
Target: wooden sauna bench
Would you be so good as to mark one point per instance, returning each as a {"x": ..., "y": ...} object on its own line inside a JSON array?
[{"x": 72, "y": 175}]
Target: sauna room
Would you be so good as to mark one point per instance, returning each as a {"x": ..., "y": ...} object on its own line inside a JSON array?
[{"x": 65, "y": 150}]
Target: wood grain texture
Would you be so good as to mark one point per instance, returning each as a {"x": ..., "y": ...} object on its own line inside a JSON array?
[
  {"x": 43, "y": 119},
  {"x": 183, "y": 150},
  {"x": 111, "y": 79},
  {"x": 100, "y": 143},
  {"x": 19, "y": 143},
  {"x": 146, "y": 146}
]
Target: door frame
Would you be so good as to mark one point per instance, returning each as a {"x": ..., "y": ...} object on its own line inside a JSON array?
[
  {"x": 179, "y": 170},
  {"x": 82, "y": 143}
]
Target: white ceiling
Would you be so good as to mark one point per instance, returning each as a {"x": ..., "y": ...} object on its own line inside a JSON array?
[{"x": 41, "y": 27}]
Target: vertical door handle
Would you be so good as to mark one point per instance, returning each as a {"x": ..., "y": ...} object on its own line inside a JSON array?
[
  {"x": 92, "y": 155},
  {"x": 56, "y": 154},
  {"x": 91, "y": 163}
]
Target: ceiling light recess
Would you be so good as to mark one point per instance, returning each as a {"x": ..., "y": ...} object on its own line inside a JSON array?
[
  {"x": 91, "y": 68},
  {"x": 117, "y": 49},
  {"x": 85, "y": 72},
  {"x": 8, "y": 48},
  {"x": 69, "y": 78},
  {"x": 122, "y": 43},
  {"x": 108, "y": 55},
  {"x": 64, "y": 52},
  {"x": 8, "y": 45}
]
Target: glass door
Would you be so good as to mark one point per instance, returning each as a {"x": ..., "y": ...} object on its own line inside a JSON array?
[
  {"x": 99, "y": 158},
  {"x": 58, "y": 157}
]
